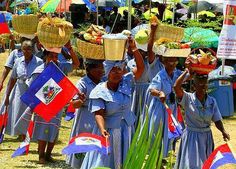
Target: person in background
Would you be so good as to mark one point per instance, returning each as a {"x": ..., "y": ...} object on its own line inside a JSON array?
[
  {"x": 84, "y": 120},
  {"x": 46, "y": 133},
  {"x": 161, "y": 90},
  {"x": 15, "y": 54},
  {"x": 114, "y": 20},
  {"x": 22, "y": 71},
  {"x": 200, "y": 110},
  {"x": 110, "y": 102}
]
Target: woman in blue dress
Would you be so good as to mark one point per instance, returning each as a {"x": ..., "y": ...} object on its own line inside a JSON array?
[
  {"x": 22, "y": 70},
  {"x": 161, "y": 90},
  {"x": 46, "y": 133},
  {"x": 200, "y": 109},
  {"x": 84, "y": 120},
  {"x": 110, "y": 101}
]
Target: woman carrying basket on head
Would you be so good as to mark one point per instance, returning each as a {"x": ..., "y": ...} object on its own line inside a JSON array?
[
  {"x": 200, "y": 109},
  {"x": 110, "y": 101}
]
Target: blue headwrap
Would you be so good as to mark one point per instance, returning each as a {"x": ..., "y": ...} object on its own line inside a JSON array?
[{"x": 108, "y": 65}]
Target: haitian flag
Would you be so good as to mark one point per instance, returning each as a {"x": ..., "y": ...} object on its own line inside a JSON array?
[
  {"x": 24, "y": 146},
  {"x": 49, "y": 92},
  {"x": 3, "y": 124},
  {"x": 70, "y": 113},
  {"x": 220, "y": 156},
  {"x": 3, "y": 25},
  {"x": 174, "y": 128},
  {"x": 85, "y": 142}
]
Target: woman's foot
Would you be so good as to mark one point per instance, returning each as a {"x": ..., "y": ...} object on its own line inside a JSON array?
[
  {"x": 42, "y": 160},
  {"x": 49, "y": 158}
]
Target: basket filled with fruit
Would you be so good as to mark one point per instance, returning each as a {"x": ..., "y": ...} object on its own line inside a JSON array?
[
  {"x": 90, "y": 43},
  {"x": 202, "y": 61},
  {"x": 167, "y": 31},
  {"x": 54, "y": 32},
  {"x": 167, "y": 48}
]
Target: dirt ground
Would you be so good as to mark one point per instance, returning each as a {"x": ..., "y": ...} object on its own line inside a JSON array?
[{"x": 10, "y": 144}]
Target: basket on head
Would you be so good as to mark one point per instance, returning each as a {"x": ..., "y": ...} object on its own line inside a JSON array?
[
  {"x": 171, "y": 32},
  {"x": 203, "y": 69},
  {"x": 25, "y": 24},
  {"x": 90, "y": 50},
  {"x": 54, "y": 32}
]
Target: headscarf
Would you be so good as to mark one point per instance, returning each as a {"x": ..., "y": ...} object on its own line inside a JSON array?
[{"x": 108, "y": 65}]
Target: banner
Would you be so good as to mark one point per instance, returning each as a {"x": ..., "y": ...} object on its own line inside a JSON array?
[{"x": 227, "y": 39}]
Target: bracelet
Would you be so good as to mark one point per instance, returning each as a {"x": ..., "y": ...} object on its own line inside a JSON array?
[{"x": 134, "y": 50}]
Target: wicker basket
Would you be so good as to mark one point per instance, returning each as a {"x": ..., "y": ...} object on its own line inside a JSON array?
[
  {"x": 49, "y": 35},
  {"x": 90, "y": 50},
  {"x": 25, "y": 24},
  {"x": 171, "y": 32},
  {"x": 203, "y": 69}
]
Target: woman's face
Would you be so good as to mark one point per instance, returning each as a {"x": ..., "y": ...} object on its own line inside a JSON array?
[
  {"x": 27, "y": 50},
  {"x": 98, "y": 72},
  {"x": 52, "y": 57},
  {"x": 201, "y": 86},
  {"x": 115, "y": 75},
  {"x": 170, "y": 63}
]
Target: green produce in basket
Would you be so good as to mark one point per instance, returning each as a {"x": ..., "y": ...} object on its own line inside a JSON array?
[{"x": 142, "y": 36}]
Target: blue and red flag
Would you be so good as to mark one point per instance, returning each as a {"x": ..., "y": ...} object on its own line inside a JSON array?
[
  {"x": 220, "y": 156},
  {"x": 85, "y": 142},
  {"x": 49, "y": 92},
  {"x": 3, "y": 124},
  {"x": 70, "y": 113},
  {"x": 180, "y": 118},
  {"x": 3, "y": 24},
  {"x": 24, "y": 146},
  {"x": 174, "y": 128}
]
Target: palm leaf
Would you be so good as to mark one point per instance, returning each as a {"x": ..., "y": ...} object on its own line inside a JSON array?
[{"x": 155, "y": 151}]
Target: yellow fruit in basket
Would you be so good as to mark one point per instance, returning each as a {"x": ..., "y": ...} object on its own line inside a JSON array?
[
  {"x": 88, "y": 36},
  {"x": 205, "y": 58},
  {"x": 142, "y": 36},
  {"x": 163, "y": 41},
  {"x": 204, "y": 61}
]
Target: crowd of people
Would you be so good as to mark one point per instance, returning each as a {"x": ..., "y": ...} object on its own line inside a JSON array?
[{"x": 112, "y": 99}]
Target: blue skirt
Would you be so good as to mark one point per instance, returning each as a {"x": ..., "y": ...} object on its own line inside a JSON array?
[
  {"x": 195, "y": 147},
  {"x": 15, "y": 109},
  {"x": 120, "y": 140},
  {"x": 157, "y": 114},
  {"x": 84, "y": 121},
  {"x": 138, "y": 100}
]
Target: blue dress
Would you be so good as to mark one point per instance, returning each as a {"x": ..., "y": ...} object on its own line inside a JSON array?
[
  {"x": 119, "y": 121},
  {"x": 45, "y": 131},
  {"x": 22, "y": 72},
  {"x": 156, "y": 110},
  {"x": 155, "y": 67},
  {"x": 197, "y": 141},
  {"x": 84, "y": 120},
  {"x": 140, "y": 89},
  {"x": 15, "y": 54}
]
